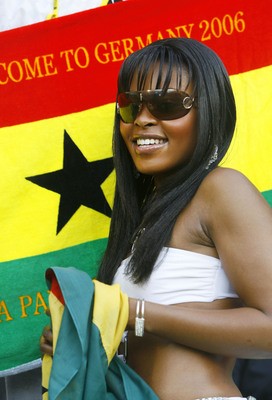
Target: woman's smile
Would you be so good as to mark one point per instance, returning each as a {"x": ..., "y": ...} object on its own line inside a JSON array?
[{"x": 147, "y": 144}]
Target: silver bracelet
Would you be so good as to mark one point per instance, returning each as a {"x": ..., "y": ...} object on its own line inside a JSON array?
[{"x": 139, "y": 319}]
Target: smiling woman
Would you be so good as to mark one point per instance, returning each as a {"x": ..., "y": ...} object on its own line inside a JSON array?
[
  {"x": 172, "y": 113},
  {"x": 174, "y": 123},
  {"x": 181, "y": 243}
]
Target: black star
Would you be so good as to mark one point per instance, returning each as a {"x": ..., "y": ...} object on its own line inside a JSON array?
[{"x": 78, "y": 183}]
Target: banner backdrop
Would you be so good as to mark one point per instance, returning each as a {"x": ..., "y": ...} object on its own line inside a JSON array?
[{"x": 58, "y": 87}]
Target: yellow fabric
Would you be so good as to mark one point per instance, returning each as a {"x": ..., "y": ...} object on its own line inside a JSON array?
[
  {"x": 57, "y": 309},
  {"x": 24, "y": 200},
  {"x": 55, "y": 12},
  {"x": 110, "y": 316},
  {"x": 111, "y": 321},
  {"x": 46, "y": 369},
  {"x": 250, "y": 151},
  {"x": 56, "y": 316}
]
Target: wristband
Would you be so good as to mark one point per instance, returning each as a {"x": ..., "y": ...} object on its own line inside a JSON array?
[{"x": 139, "y": 319}]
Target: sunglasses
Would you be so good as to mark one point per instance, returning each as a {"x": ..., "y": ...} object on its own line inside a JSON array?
[{"x": 164, "y": 105}]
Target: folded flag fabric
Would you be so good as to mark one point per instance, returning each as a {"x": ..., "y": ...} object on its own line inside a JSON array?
[
  {"x": 58, "y": 89},
  {"x": 88, "y": 321}
]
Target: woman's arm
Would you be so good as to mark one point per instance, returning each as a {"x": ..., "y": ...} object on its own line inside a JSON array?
[
  {"x": 239, "y": 222},
  {"x": 240, "y": 332}
]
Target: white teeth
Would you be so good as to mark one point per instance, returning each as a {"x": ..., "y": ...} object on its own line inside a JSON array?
[{"x": 148, "y": 142}]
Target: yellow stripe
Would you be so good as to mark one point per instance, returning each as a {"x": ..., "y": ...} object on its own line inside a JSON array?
[
  {"x": 251, "y": 149},
  {"x": 110, "y": 315},
  {"x": 29, "y": 212},
  {"x": 57, "y": 309}
]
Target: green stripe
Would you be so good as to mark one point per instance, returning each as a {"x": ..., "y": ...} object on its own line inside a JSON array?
[
  {"x": 24, "y": 278},
  {"x": 24, "y": 281},
  {"x": 268, "y": 196}
]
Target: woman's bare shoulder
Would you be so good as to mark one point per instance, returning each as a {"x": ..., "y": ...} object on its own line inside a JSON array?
[
  {"x": 229, "y": 185},
  {"x": 229, "y": 198},
  {"x": 222, "y": 177}
]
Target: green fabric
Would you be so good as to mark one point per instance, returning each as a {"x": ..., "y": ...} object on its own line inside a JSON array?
[
  {"x": 23, "y": 300},
  {"x": 268, "y": 196},
  {"x": 80, "y": 370}
]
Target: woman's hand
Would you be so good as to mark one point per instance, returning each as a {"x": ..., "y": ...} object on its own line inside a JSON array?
[{"x": 46, "y": 340}]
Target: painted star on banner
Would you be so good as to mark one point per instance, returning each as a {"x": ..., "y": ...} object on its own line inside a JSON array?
[{"x": 78, "y": 183}]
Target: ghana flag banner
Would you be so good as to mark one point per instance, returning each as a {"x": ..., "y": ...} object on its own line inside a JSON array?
[{"x": 58, "y": 86}]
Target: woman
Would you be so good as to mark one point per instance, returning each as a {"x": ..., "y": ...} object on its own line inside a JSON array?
[{"x": 189, "y": 237}]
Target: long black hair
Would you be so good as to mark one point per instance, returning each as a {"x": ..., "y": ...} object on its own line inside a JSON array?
[{"x": 136, "y": 212}]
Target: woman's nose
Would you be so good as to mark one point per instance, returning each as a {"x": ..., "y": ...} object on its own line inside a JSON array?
[{"x": 144, "y": 116}]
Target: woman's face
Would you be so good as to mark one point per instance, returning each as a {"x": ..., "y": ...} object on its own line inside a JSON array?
[{"x": 168, "y": 144}]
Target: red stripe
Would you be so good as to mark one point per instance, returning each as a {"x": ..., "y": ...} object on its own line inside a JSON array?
[
  {"x": 55, "y": 288},
  {"x": 239, "y": 31}
]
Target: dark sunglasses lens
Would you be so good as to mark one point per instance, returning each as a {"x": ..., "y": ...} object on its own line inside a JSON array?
[
  {"x": 127, "y": 109},
  {"x": 172, "y": 105}
]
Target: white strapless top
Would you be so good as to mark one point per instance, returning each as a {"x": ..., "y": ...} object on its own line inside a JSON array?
[{"x": 179, "y": 276}]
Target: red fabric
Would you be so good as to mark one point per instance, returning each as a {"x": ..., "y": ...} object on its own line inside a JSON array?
[
  {"x": 55, "y": 288},
  {"x": 239, "y": 31}
]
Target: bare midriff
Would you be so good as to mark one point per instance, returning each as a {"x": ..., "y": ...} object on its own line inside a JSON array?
[{"x": 176, "y": 372}]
